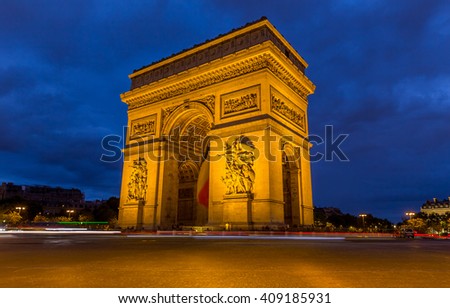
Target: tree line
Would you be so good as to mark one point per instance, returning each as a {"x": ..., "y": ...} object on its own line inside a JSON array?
[
  {"x": 332, "y": 219},
  {"x": 17, "y": 211},
  {"x": 429, "y": 223}
]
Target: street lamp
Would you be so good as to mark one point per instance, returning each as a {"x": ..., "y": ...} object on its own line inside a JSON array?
[
  {"x": 20, "y": 208},
  {"x": 410, "y": 214},
  {"x": 70, "y": 212},
  {"x": 362, "y": 216}
]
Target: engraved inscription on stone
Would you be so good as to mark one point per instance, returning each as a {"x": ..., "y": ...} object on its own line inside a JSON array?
[
  {"x": 241, "y": 101},
  {"x": 143, "y": 127}
]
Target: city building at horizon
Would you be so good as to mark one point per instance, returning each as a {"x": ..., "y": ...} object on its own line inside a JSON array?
[{"x": 53, "y": 200}]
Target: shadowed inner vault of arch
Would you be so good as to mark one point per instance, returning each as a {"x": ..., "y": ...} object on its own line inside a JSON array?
[
  {"x": 188, "y": 136},
  {"x": 188, "y": 148}
]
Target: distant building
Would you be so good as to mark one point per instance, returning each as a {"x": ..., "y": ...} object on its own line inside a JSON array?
[
  {"x": 436, "y": 206},
  {"x": 53, "y": 199}
]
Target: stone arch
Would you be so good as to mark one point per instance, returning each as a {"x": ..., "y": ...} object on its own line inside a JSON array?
[
  {"x": 186, "y": 129},
  {"x": 183, "y": 112},
  {"x": 291, "y": 155},
  {"x": 188, "y": 171},
  {"x": 217, "y": 93}
]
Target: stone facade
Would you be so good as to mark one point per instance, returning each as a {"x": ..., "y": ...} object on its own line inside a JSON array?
[
  {"x": 237, "y": 105},
  {"x": 436, "y": 206},
  {"x": 53, "y": 199}
]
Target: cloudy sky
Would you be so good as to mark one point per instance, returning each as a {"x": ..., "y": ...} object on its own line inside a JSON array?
[{"x": 382, "y": 71}]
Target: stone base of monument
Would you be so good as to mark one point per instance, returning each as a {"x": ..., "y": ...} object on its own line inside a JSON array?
[
  {"x": 131, "y": 215},
  {"x": 268, "y": 214},
  {"x": 237, "y": 210},
  {"x": 243, "y": 212}
]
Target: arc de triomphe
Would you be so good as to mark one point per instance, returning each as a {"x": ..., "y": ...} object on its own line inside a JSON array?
[{"x": 218, "y": 137}]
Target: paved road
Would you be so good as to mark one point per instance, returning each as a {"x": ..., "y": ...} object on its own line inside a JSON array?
[{"x": 120, "y": 261}]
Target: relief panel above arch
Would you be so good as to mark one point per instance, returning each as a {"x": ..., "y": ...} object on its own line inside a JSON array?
[
  {"x": 286, "y": 109},
  {"x": 241, "y": 101},
  {"x": 143, "y": 127}
]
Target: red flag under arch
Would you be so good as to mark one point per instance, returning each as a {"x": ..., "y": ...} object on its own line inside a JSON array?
[{"x": 203, "y": 184}]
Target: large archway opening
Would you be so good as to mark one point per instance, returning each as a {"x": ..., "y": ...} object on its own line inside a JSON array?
[
  {"x": 186, "y": 207},
  {"x": 188, "y": 130}
]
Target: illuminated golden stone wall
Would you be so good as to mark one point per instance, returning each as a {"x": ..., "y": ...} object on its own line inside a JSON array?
[{"x": 237, "y": 105}]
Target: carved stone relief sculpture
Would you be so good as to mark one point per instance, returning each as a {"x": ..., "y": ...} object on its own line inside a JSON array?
[
  {"x": 137, "y": 185},
  {"x": 143, "y": 127},
  {"x": 209, "y": 101},
  {"x": 240, "y": 157},
  {"x": 287, "y": 109},
  {"x": 242, "y": 103}
]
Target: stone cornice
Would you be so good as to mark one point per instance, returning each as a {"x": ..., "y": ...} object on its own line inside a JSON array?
[{"x": 144, "y": 96}]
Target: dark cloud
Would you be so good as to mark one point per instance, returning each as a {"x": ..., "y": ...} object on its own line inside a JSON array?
[{"x": 381, "y": 70}]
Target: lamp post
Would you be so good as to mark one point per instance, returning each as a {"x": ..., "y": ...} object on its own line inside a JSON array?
[
  {"x": 362, "y": 216},
  {"x": 20, "y": 208},
  {"x": 70, "y": 212},
  {"x": 410, "y": 214}
]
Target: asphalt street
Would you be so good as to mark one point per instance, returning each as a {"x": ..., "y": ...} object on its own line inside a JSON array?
[{"x": 106, "y": 261}]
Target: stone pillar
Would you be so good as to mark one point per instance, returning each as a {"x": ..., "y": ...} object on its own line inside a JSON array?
[
  {"x": 306, "y": 188},
  {"x": 296, "y": 197},
  {"x": 131, "y": 215}
]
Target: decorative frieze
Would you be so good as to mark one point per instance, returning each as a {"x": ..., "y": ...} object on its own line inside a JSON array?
[
  {"x": 143, "y": 127},
  {"x": 287, "y": 109},
  {"x": 241, "y": 101},
  {"x": 263, "y": 61}
]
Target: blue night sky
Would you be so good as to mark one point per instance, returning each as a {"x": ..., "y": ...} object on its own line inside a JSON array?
[{"x": 382, "y": 71}]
